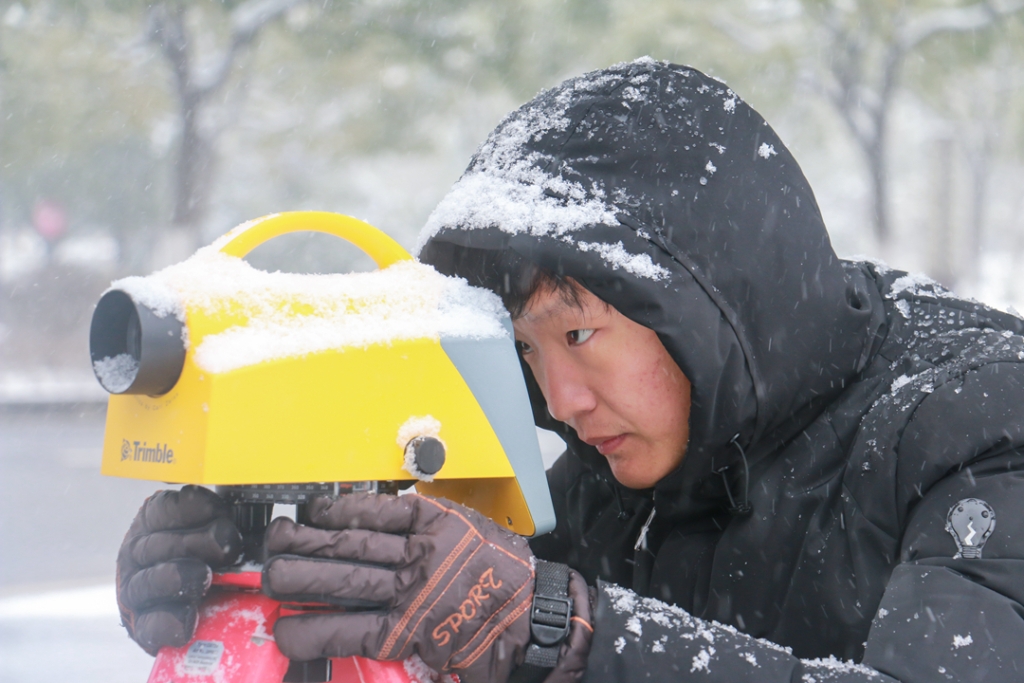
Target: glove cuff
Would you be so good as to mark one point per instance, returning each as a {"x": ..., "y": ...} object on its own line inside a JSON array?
[
  {"x": 560, "y": 625},
  {"x": 550, "y": 615}
]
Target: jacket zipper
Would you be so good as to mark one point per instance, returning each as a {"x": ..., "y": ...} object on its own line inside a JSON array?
[{"x": 641, "y": 540}]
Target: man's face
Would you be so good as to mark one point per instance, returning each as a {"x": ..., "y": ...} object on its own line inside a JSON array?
[{"x": 611, "y": 380}]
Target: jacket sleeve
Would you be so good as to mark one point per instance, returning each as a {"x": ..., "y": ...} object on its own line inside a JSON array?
[
  {"x": 638, "y": 639},
  {"x": 953, "y": 608},
  {"x": 946, "y": 615}
]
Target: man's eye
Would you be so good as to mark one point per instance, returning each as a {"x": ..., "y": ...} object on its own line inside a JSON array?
[
  {"x": 523, "y": 347},
  {"x": 579, "y": 336}
]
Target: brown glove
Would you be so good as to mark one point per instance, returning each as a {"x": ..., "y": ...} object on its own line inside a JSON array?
[
  {"x": 442, "y": 581},
  {"x": 164, "y": 565}
]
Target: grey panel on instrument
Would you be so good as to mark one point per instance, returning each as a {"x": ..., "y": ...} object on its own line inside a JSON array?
[{"x": 491, "y": 369}]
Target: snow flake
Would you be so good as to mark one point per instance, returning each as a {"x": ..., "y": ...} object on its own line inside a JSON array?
[
  {"x": 710, "y": 167},
  {"x": 620, "y": 645},
  {"x": 962, "y": 641},
  {"x": 881, "y": 267},
  {"x": 900, "y": 381},
  {"x": 418, "y": 670},
  {"x": 632, "y": 94},
  {"x": 720, "y": 148},
  {"x": 659, "y": 646},
  {"x": 766, "y": 151},
  {"x": 616, "y": 255},
  {"x": 904, "y": 308},
  {"x": 834, "y": 665},
  {"x": 916, "y": 284},
  {"x": 634, "y": 627},
  {"x": 702, "y": 660},
  {"x": 730, "y": 104},
  {"x": 750, "y": 658}
]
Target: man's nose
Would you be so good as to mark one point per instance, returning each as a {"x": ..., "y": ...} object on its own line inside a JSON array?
[{"x": 566, "y": 391}]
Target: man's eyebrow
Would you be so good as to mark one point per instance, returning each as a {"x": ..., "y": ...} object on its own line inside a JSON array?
[{"x": 556, "y": 308}]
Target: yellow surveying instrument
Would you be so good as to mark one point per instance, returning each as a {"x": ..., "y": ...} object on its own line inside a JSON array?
[
  {"x": 330, "y": 415},
  {"x": 276, "y": 387}
]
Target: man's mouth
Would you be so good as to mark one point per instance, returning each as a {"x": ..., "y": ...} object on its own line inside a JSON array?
[{"x": 606, "y": 445}]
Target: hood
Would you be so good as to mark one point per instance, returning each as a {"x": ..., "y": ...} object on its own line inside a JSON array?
[{"x": 671, "y": 199}]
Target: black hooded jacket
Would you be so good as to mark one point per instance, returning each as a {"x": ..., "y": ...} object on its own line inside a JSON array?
[{"x": 843, "y": 416}]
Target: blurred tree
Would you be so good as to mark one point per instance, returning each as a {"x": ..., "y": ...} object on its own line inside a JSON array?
[
  {"x": 975, "y": 83},
  {"x": 77, "y": 105},
  {"x": 864, "y": 49},
  {"x": 195, "y": 87}
]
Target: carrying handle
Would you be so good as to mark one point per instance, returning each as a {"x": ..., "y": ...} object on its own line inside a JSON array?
[{"x": 377, "y": 245}]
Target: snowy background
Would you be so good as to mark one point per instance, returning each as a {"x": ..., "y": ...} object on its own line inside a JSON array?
[{"x": 120, "y": 153}]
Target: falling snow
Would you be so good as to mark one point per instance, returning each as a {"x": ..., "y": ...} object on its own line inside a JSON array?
[{"x": 962, "y": 641}]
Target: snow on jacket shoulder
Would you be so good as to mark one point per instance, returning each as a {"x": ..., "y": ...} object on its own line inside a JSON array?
[{"x": 840, "y": 412}]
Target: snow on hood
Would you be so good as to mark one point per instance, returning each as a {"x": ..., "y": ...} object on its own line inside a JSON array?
[
  {"x": 291, "y": 315},
  {"x": 717, "y": 243}
]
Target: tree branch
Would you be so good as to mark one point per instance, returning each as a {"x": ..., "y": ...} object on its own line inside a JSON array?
[
  {"x": 166, "y": 28},
  {"x": 246, "y": 22},
  {"x": 957, "y": 20}
]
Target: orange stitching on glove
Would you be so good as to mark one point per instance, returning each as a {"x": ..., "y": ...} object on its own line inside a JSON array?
[
  {"x": 467, "y": 610},
  {"x": 434, "y": 580},
  {"x": 493, "y": 635},
  {"x": 416, "y": 627},
  {"x": 495, "y": 614},
  {"x": 473, "y": 527},
  {"x": 584, "y": 622}
]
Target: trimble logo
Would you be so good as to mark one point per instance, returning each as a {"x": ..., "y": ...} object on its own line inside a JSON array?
[{"x": 140, "y": 451}]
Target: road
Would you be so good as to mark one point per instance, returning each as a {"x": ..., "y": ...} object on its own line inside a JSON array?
[
  {"x": 62, "y": 520},
  {"x": 61, "y": 523}
]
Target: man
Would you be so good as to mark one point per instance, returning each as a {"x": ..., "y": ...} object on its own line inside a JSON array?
[{"x": 776, "y": 460}]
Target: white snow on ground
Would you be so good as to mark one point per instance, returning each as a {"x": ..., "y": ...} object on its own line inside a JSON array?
[
  {"x": 78, "y": 603},
  {"x": 291, "y": 315},
  {"x": 73, "y": 633},
  {"x": 48, "y": 385}
]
